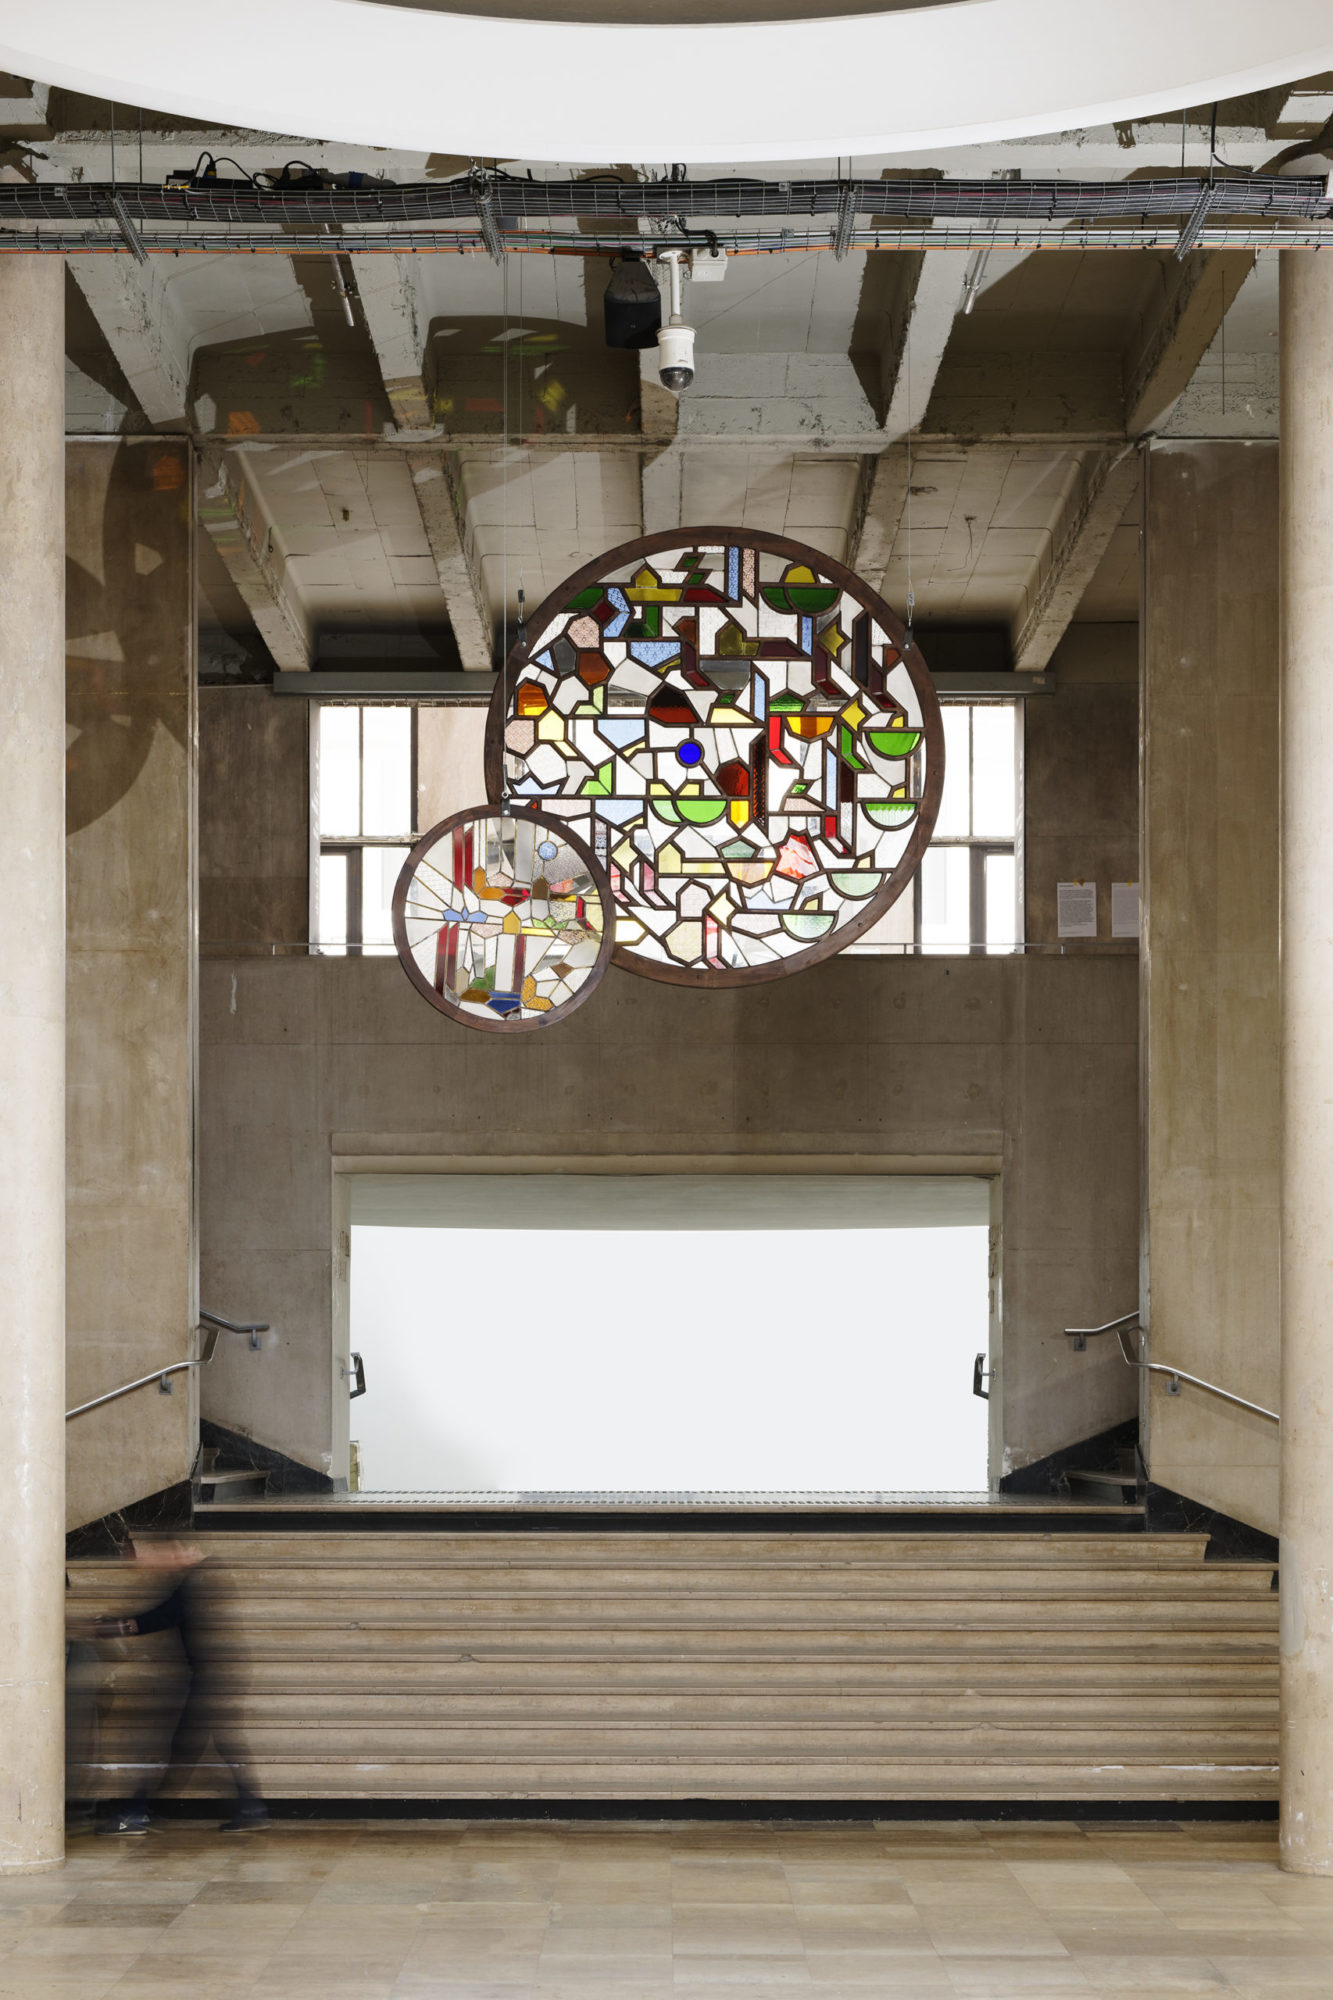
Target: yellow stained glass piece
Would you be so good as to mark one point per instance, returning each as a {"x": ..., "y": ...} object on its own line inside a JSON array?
[{"x": 648, "y": 588}]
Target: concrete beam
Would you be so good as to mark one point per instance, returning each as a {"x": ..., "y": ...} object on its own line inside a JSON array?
[
  {"x": 444, "y": 518},
  {"x": 234, "y": 516},
  {"x": 917, "y": 340},
  {"x": 881, "y": 501},
  {"x": 133, "y": 305},
  {"x": 396, "y": 320},
  {"x": 1094, "y": 509},
  {"x": 1173, "y": 339}
]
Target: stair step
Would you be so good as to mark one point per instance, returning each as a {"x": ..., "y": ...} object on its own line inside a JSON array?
[
  {"x": 653, "y": 1664},
  {"x": 233, "y": 1480}
]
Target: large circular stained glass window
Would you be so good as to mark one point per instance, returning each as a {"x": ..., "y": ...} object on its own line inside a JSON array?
[
  {"x": 502, "y": 918},
  {"x": 742, "y": 733}
]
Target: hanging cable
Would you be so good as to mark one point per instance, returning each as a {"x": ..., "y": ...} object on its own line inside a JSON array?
[
  {"x": 505, "y": 344},
  {"x": 911, "y": 419}
]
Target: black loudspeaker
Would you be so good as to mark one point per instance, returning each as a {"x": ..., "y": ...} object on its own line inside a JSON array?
[{"x": 633, "y": 304}]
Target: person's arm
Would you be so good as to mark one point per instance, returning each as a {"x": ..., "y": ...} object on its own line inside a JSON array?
[{"x": 162, "y": 1618}]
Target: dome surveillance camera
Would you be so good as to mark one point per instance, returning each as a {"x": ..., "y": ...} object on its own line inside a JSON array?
[
  {"x": 675, "y": 356},
  {"x": 675, "y": 340}
]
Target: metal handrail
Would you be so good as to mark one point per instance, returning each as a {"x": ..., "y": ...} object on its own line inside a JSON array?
[
  {"x": 1081, "y": 1335},
  {"x": 160, "y": 1375},
  {"x": 254, "y": 1327},
  {"x": 1121, "y": 1328}
]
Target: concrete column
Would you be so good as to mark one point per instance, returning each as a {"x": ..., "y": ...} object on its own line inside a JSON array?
[
  {"x": 1307, "y": 1062},
  {"x": 32, "y": 1060}
]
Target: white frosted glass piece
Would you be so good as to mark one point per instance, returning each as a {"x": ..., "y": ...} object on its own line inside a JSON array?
[
  {"x": 946, "y": 899},
  {"x": 994, "y": 791},
  {"x": 380, "y": 867},
  {"x": 331, "y": 911},
  {"x": 339, "y": 772},
  {"x": 386, "y": 770},
  {"x": 1001, "y": 902},
  {"x": 954, "y": 822}
]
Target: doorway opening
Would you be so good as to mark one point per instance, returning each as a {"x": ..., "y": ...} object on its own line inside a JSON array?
[{"x": 547, "y": 1336}]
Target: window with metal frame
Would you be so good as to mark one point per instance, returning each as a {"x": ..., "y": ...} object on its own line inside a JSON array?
[
  {"x": 364, "y": 765},
  {"x": 969, "y": 889}
]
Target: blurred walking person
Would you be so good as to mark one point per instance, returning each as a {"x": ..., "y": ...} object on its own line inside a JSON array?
[{"x": 197, "y": 1606}]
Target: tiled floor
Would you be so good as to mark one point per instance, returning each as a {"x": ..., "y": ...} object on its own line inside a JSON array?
[{"x": 739, "y": 1912}]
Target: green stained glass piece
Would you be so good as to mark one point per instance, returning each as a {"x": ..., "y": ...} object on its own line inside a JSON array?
[
  {"x": 847, "y": 748},
  {"x": 800, "y": 788},
  {"x": 799, "y": 597},
  {"x": 857, "y": 883},
  {"x": 787, "y": 704},
  {"x": 888, "y": 812},
  {"x": 599, "y": 785},
  {"x": 701, "y": 812},
  {"x": 893, "y": 742},
  {"x": 736, "y": 850},
  {"x": 586, "y": 600},
  {"x": 807, "y": 924},
  {"x": 665, "y": 809}
]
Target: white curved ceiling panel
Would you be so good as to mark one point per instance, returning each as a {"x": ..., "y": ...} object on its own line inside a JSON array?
[{"x": 413, "y": 79}]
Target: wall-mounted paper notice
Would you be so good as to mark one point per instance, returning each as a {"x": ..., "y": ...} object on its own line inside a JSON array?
[
  {"x": 1124, "y": 909},
  {"x": 1076, "y": 909}
]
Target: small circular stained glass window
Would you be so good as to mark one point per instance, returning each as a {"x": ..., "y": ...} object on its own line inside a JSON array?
[
  {"x": 503, "y": 918},
  {"x": 746, "y": 735}
]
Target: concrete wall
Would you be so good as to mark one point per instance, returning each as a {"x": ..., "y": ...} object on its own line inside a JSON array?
[
  {"x": 254, "y": 818},
  {"x": 131, "y": 1303},
  {"x": 1030, "y": 1065},
  {"x": 1081, "y": 777},
  {"x": 1210, "y": 965},
  {"x": 309, "y": 1065}
]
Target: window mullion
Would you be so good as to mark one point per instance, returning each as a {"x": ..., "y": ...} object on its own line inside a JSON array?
[{"x": 354, "y": 941}]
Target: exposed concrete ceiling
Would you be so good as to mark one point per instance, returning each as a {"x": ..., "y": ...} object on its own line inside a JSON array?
[{"x": 363, "y": 496}]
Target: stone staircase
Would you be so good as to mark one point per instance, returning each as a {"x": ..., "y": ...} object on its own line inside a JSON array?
[{"x": 747, "y": 1666}]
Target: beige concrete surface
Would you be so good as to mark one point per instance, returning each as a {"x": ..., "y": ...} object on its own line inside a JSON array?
[
  {"x": 254, "y": 834},
  {"x": 1209, "y": 1001},
  {"x": 523, "y": 1911},
  {"x": 32, "y": 1061},
  {"x": 131, "y": 923},
  {"x": 1081, "y": 777},
  {"x": 1307, "y": 1068},
  {"x": 1031, "y": 1062}
]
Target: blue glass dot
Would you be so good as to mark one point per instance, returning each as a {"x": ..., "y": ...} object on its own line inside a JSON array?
[
  {"x": 547, "y": 850},
  {"x": 690, "y": 753}
]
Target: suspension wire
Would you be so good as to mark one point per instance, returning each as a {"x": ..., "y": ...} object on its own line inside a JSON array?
[
  {"x": 911, "y": 420},
  {"x": 505, "y": 345},
  {"x": 521, "y": 633},
  {"x": 112, "y": 102}
]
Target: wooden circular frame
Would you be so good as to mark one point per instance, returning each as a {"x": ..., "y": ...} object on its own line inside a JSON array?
[
  {"x": 503, "y": 1024},
  {"x": 932, "y": 727}
]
